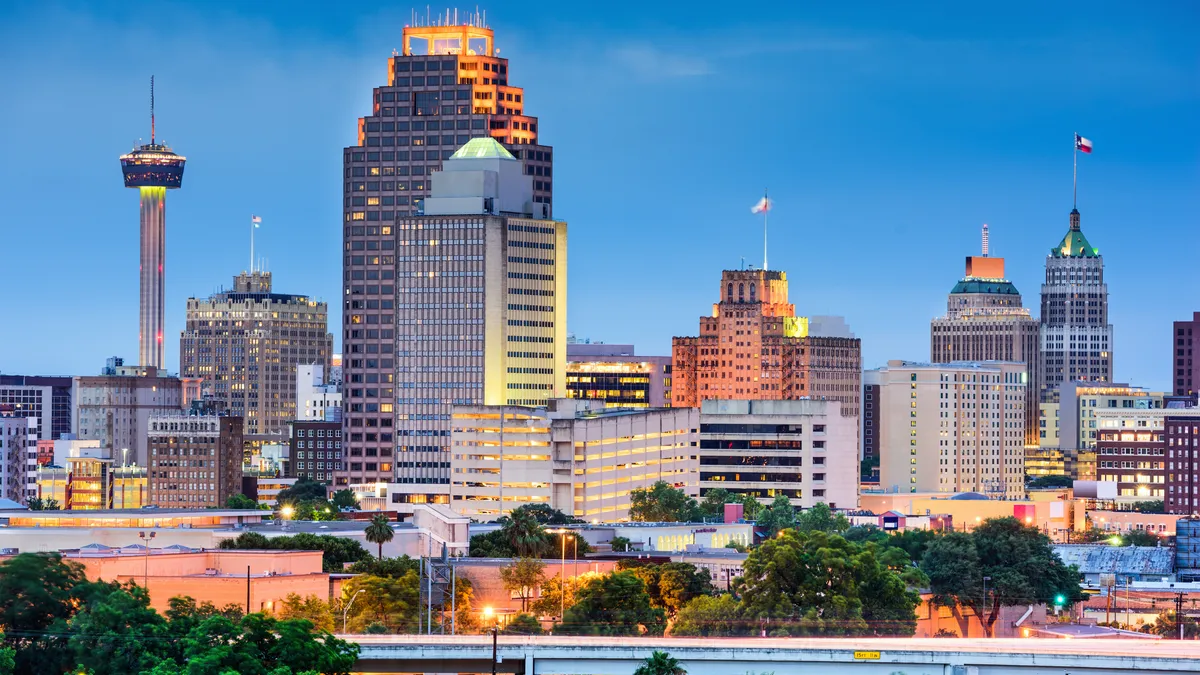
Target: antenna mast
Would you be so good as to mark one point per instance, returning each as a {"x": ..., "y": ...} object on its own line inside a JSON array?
[
  {"x": 985, "y": 240},
  {"x": 151, "y": 110}
]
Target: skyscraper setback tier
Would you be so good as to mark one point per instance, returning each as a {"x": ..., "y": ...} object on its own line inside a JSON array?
[
  {"x": 1076, "y": 337},
  {"x": 446, "y": 87},
  {"x": 1186, "y": 367},
  {"x": 986, "y": 321},
  {"x": 754, "y": 347},
  {"x": 246, "y": 345},
  {"x": 464, "y": 305}
]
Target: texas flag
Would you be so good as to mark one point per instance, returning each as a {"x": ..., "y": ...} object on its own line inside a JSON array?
[
  {"x": 258, "y": 220},
  {"x": 1082, "y": 144},
  {"x": 762, "y": 206}
]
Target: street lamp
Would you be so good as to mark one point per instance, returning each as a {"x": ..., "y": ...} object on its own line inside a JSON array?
[
  {"x": 562, "y": 576},
  {"x": 146, "y": 572},
  {"x": 495, "y": 639},
  {"x": 286, "y": 512},
  {"x": 346, "y": 611}
]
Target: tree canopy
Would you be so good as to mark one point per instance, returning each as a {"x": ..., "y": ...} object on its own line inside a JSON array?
[
  {"x": 1044, "y": 482},
  {"x": 380, "y": 532},
  {"x": 303, "y": 489},
  {"x": 780, "y": 515},
  {"x": 523, "y": 577},
  {"x": 522, "y": 535},
  {"x": 613, "y": 604},
  {"x": 660, "y": 663},
  {"x": 240, "y": 501},
  {"x": 671, "y": 585},
  {"x": 1018, "y": 561},
  {"x": 337, "y": 551},
  {"x": 663, "y": 503},
  {"x": 821, "y": 518}
]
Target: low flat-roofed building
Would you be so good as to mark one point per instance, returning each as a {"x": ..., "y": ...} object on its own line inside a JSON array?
[
  {"x": 1136, "y": 563},
  {"x": 668, "y": 537}
]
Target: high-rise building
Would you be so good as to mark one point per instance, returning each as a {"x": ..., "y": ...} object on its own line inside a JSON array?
[
  {"x": 16, "y": 443},
  {"x": 446, "y": 86},
  {"x": 195, "y": 459},
  {"x": 152, "y": 169},
  {"x": 316, "y": 399},
  {"x": 315, "y": 449},
  {"x": 1132, "y": 449},
  {"x": 754, "y": 347},
  {"x": 1185, "y": 367},
  {"x": 1078, "y": 407},
  {"x": 613, "y": 374},
  {"x": 464, "y": 305},
  {"x": 952, "y": 427},
  {"x": 1183, "y": 463},
  {"x": 246, "y": 344},
  {"x": 1076, "y": 337},
  {"x": 46, "y": 398},
  {"x": 804, "y": 450},
  {"x": 986, "y": 321},
  {"x": 579, "y": 457},
  {"x": 114, "y": 407}
]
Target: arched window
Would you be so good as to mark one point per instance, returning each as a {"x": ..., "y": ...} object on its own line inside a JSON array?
[
  {"x": 752, "y": 294},
  {"x": 741, "y": 292},
  {"x": 729, "y": 292}
]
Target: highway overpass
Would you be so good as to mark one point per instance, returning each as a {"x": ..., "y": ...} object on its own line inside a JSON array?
[{"x": 780, "y": 656}]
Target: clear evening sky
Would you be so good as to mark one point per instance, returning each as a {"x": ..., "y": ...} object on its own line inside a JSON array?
[{"x": 887, "y": 134}]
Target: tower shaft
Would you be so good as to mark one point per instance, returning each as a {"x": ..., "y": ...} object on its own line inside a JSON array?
[{"x": 153, "y": 256}]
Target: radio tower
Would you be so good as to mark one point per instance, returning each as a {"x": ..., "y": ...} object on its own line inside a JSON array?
[{"x": 152, "y": 169}]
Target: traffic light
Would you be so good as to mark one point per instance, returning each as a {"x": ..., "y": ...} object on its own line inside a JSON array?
[{"x": 1060, "y": 600}]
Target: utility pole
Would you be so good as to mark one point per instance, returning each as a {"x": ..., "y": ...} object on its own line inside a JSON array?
[
  {"x": 1179, "y": 612},
  {"x": 495, "y": 634},
  {"x": 247, "y": 589}
]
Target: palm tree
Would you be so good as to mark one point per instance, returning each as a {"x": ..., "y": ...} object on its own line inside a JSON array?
[
  {"x": 380, "y": 532},
  {"x": 660, "y": 663},
  {"x": 525, "y": 534}
]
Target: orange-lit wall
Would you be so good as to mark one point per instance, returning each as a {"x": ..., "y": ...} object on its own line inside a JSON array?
[{"x": 985, "y": 268}]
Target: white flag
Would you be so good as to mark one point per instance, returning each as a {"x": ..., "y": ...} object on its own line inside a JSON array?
[{"x": 762, "y": 206}]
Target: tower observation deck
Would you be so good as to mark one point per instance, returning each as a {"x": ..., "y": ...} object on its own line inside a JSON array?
[{"x": 152, "y": 169}]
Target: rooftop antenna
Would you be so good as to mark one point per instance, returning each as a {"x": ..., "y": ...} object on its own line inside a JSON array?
[
  {"x": 151, "y": 110},
  {"x": 985, "y": 240}
]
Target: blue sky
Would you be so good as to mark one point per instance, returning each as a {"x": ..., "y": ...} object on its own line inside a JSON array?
[{"x": 887, "y": 134}]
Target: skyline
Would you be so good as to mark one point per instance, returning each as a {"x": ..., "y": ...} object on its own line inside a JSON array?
[{"x": 931, "y": 156}]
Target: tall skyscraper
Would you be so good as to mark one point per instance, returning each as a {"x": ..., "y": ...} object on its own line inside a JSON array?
[
  {"x": 1076, "y": 337},
  {"x": 754, "y": 347},
  {"x": 1186, "y": 367},
  {"x": 152, "y": 169},
  {"x": 464, "y": 305},
  {"x": 246, "y": 345},
  {"x": 986, "y": 321},
  {"x": 952, "y": 427}
]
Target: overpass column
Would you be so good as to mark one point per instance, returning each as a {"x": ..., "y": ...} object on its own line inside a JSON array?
[{"x": 529, "y": 662}]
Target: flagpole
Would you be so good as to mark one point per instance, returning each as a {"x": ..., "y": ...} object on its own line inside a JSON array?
[
  {"x": 1075, "y": 175},
  {"x": 765, "y": 212},
  {"x": 251, "y": 244}
]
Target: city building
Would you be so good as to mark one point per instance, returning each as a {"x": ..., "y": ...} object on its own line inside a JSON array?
[
  {"x": 316, "y": 399},
  {"x": 46, "y": 398},
  {"x": 870, "y": 432},
  {"x": 1078, "y": 405},
  {"x": 579, "y": 457},
  {"x": 615, "y": 375},
  {"x": 952, "y": 427},
  {"x": 130, "y": 487},
  {"x": 269, "y": 488},
  {"x": 464, "y": 305},
  {"x": 315, "y": 449},
  {"x": 89, "y": 468},
  {"x": 195, "y": 459},
  {"x": 804, "y": 450},
  {"x": 16, "y": 444},
  {"x": 1076, "y": 337},
  {"x": 986, "y": 321},
  {"x": 754, "y": 347},
  {"x": 115, "y": 406},
  {"x": 1132, "y": 449},
  {"x": 1186, "y": 369},
  {"x": 152, "y": 169},
  {"x": 1183, "y": 462},
  {"x": 246, "y": 344}
]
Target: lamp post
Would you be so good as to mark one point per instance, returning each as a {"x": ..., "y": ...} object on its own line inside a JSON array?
[
  {"x": 562, "y": 577},
  {"x": 346, "y": 611},
  {"x": 286, "y": 512},
  {"x": 495, "y": 639},
  {"x": 146, "y": 571}
]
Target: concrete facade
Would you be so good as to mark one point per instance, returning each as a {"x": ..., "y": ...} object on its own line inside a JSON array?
[
  {"x": 805, "y": 450},
  {"x": 578, "y": 457},
  {"x": 246, "y": 344},
  {"x": 316, "y": 399},
  {"x": 953, "y": 427}
]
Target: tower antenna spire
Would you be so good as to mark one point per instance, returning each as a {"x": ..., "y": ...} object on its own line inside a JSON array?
[
  {"x": 985, "y": 240},
  {"x": 151, "y": 110}
]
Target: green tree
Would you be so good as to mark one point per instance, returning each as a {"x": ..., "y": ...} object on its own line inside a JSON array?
[
  {"x": 258, "y": 645},
  {"x": 660, "y": 663},
  {"x": 1165, "y": 625},
  {"x": 521, "y": 624},
  {"x": 310, "y": 607},
  {"x": 672, "y": 585},
  {"x": 8, "y": 658},
  {"x": 314, "y": 509},
  {"x": 391, "y": 601},
  {"x": 240, "y": 501},
  {"x": 780, "y": 515},
  {"x": 751, "y": 508},
  {"x": 821, "y": 518},
  {"x": 303, "y": 489},
  {"x": 39, "y": 593},
  {"x": 620, "y": 544},
  {"x": 380, "y": 532},
  {"x": 1149, "y": 506},
  {"x": 613, "y": 604},
  {"x": 548, "y": 515},
  {"x": 1125, "y": 538},
  {"x": 117, "y": 632},
  {"x": 714, "y": 501},
  {"x": 550, "y": 601},
  {"x": 376, "y": 629},
  {"x": 662, "y": 503},
  {"x": 386, "y": 567},
  {"x": 1019, "y": 561},
  {"x": 523, "y": 576},
  {"x": 345, "y": 499},
  {"x": 1048, "y": 482},
  {"x": 710, "y": 616},
  {"x": 817, "y": 583},
  {"x": 525, "y": 535},
  {"x": 337, "y": 551},
  {"x": 492, "y": 544}
]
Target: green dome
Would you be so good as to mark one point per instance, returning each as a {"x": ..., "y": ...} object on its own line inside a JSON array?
[
  {"x": 991, "y": 286},
  {"x": 1074, "y": 244}
]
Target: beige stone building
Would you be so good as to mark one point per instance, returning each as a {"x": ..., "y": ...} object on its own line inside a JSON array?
[
  {"x": 952, "y": 427},
  {"x": 986, "y": 321},
  {"x": 804, "y": 450},
  {"x": 195, "y": 460},
  {"x": 246, "y": 344},
  {"x": 577, "y": 456}
]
